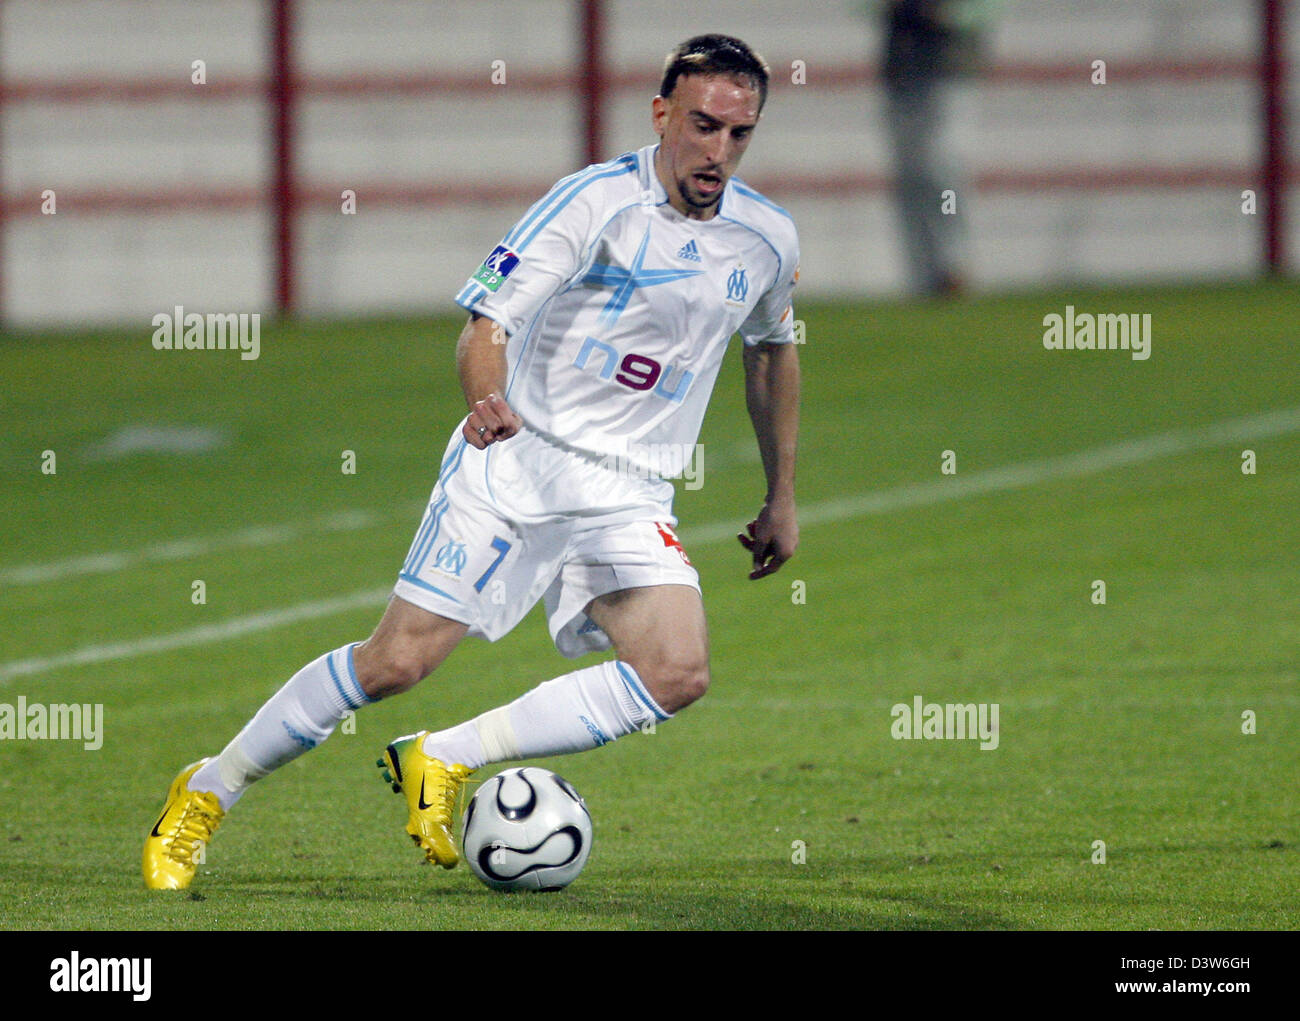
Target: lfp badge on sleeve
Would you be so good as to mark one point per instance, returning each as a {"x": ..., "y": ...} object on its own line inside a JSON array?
[{"x": 496, "y": 267}]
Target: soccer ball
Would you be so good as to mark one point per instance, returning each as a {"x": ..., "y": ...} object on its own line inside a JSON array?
[{"x": 527, "y": 829}]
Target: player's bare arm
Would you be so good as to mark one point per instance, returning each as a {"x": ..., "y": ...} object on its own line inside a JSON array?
[
  {"x": 772, "y": 397},
  {"x": 481, "y": 362}
]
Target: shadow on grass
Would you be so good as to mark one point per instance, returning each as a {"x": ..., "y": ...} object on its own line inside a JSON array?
[{"x": 770, "y": 897}]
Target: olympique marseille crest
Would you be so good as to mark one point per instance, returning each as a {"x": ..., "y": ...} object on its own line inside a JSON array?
[
  {"x": 450, "y": 559},
  {"x": 737, "y": 286}
]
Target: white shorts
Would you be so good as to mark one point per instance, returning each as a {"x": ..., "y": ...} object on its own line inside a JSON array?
[{"x": 528, "y": 519}]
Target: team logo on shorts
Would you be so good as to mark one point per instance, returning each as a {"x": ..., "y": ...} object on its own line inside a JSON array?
[
  {"x": 672, "y": 542},
  {"x": 451, "y": 558},
  {"x": 496, "y": 267}
]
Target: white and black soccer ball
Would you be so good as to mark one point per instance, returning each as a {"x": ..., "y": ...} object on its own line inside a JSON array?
[{"x": 527, "y": 829}]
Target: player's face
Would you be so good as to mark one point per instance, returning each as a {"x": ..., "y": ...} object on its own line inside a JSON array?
[{"x": 704, "y": 127}]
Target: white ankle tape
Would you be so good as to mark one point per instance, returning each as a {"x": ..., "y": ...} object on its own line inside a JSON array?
[
  {"x": 237, "y": 769},
  {"x": 497, "y": 735}
]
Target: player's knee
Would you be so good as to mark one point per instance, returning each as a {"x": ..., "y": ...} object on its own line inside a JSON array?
[
  {"x": 677, "y": 684},
  {"x": 385, "y": 672},
  {"x": 693, "y": 684}
]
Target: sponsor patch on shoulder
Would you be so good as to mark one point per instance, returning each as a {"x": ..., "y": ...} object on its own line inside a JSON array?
[{"x": 496, "y": 267}]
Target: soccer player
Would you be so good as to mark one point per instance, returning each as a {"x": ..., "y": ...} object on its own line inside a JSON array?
[{"x": 596, "y": 331}]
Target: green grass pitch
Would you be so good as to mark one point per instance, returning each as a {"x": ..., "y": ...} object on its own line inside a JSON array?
[{"x": 781, "y": 801}]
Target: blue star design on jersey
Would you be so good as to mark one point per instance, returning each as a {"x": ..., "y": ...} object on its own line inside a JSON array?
[{"x": 626, "y": 281}]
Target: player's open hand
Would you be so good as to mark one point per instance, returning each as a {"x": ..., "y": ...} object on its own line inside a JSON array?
[
  {"x": 772, "y": 538},
  {"x": 491, "y": 420}
]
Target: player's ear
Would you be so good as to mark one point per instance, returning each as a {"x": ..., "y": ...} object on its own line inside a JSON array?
[{"x": 658, "y": 114}]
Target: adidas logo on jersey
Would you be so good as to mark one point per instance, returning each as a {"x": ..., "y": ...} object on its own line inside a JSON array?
[{"x": 689, "y": 251}]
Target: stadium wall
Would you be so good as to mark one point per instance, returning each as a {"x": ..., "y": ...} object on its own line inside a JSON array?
[{"x": 447, "y": 123}]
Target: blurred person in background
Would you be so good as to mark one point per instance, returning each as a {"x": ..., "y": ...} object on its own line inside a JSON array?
[{"x": 930, "y": 48}]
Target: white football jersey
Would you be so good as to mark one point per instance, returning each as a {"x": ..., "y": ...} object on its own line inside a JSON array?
[{"x": 619, "y": 309}]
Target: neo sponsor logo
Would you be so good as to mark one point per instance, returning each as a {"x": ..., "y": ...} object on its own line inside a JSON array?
[{"x": 634, "y": 371}]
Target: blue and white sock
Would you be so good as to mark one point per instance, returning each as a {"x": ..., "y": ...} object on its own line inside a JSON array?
[
  {"x": 294, "y": 720},
  {"x": 572, "y": 713}
]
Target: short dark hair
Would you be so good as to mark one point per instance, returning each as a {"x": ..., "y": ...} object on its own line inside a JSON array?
[{"x": 715, "y": 54}]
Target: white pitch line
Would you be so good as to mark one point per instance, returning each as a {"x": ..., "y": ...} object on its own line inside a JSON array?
[
  {"x": 1028, "y": 473},
  {"x": 260, "y": 535},
  {"x": 993, "y": 480},
  {"x": 204, "y": 634},
  {"x": 182, "y": 549}
]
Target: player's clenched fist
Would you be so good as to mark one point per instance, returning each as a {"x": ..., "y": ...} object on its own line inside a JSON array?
[
  {"x": 489, "y": 421},
  {"x": 772, "y": 538}
]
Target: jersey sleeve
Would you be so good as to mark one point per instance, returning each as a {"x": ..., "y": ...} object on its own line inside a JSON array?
[
  {"x": 772, "y": 320},
  {"x": 540, "y": 254}
]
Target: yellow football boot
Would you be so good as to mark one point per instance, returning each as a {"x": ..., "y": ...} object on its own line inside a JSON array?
[
  {"x": 431, "y": 788},
  {"x": 186, "y": 825}
]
